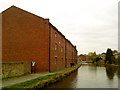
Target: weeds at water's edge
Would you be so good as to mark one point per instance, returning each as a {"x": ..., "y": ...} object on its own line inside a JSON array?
[{"x": 43, "y": 81}]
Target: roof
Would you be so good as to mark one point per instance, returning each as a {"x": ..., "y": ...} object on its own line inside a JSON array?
[
  {"x": 23, "y": 11},
  {"x": 57, "y": 30},
  {"x": 69, "y": 42},
  {"x": 82, "y": 55},
  {"x": 62, "y": 35},
  {"x": 38, "y": 17}
]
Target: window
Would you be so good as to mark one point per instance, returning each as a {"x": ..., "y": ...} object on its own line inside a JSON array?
[
  {"x": 55, "y": 34},
  {"x": 56, "y": 46},
  {"x": 55, "y": 59}
]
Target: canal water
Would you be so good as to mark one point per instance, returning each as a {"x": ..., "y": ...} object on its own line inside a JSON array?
[{"x": 88, "y": 76}]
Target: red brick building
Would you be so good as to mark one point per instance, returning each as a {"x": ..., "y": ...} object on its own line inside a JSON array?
[
  {"x": 75, "y": 54},
  {"x": 57, "y": 48},
  {"x": 28, "y": 37},
  {"x": 70, "y": 54},
  {"x": 82, "y": 57}
]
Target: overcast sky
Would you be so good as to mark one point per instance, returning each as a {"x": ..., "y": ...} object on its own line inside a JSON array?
[{"x": 91, "y": 25}]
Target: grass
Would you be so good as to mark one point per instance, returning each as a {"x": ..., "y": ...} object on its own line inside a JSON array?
[
  {"x": 13, "y": 77},
  {"x": 42, "y": 81},
  {"x": 30, "y": 82}
]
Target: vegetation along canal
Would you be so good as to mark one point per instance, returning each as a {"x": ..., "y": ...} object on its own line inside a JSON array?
[{"x": 88, "y": 76}]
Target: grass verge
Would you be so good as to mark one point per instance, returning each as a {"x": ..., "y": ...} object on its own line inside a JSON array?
[
  {"x": 43, "y": 81},
  {"x": 13, "y": 77},
  {"x": 30, "y": 82}
]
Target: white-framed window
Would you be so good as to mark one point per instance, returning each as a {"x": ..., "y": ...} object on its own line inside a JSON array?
[{"x": 56, "y": 46}]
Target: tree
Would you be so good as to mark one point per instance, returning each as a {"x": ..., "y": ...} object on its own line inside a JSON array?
[
  {"x": 109, "y": 56},
  {"x": 96, "y": 60},
  {"x": 91, "y": 56},
  {"x": 115, "y": 51}
]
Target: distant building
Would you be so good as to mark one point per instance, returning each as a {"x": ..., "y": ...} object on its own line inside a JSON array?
[
  {"x": 30, "y": 38},
  {"x": 82, "y": 57},
  {"x": 116, "y": 55},
  {"x": 103, "y": 55}
]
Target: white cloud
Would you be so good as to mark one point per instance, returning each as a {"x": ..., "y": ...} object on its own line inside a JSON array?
[{"x": 90, "y": 24}]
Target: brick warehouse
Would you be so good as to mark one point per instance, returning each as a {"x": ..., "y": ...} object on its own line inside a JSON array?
[{"x": 28, "y": 37}]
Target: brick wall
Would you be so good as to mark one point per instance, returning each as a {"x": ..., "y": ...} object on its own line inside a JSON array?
[
  {"x": 75, "y": 54},
  {"x": 82, "y": 57},
  {"x": 28, "y": 37},
  {"x": 15, "y": 68},
  {"x": 57, "y": 49},
  {"x": 69, "y": 53},
  {"x": 25, "y": 38}
]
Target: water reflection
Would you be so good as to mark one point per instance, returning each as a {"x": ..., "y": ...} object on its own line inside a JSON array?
[
  {"x": 111, "y": 71},
  {"x": 68, "y": 82},
  {"x": 118, "y": 73},
  {"x": 89, "y": 76}
]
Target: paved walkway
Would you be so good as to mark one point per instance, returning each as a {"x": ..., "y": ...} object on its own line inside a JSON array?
[
  {"x": 26, "y": 78},
  {"x": 23, "y": 79}
]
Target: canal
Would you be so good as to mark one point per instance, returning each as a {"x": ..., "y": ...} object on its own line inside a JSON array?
[{"x": 88, "y": 76}]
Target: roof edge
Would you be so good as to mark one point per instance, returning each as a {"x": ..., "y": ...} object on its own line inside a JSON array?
[
  {"x": 56, "y": 29},
  {"x": 13, "y": 6}
]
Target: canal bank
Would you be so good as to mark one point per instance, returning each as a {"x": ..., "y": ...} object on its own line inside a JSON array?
[
  {"x": 90, "y": 76},
  {"x": 43, "y": 81}
]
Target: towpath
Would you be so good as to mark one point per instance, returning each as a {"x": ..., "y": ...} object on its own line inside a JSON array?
[{"x": 13, "y": 81}]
